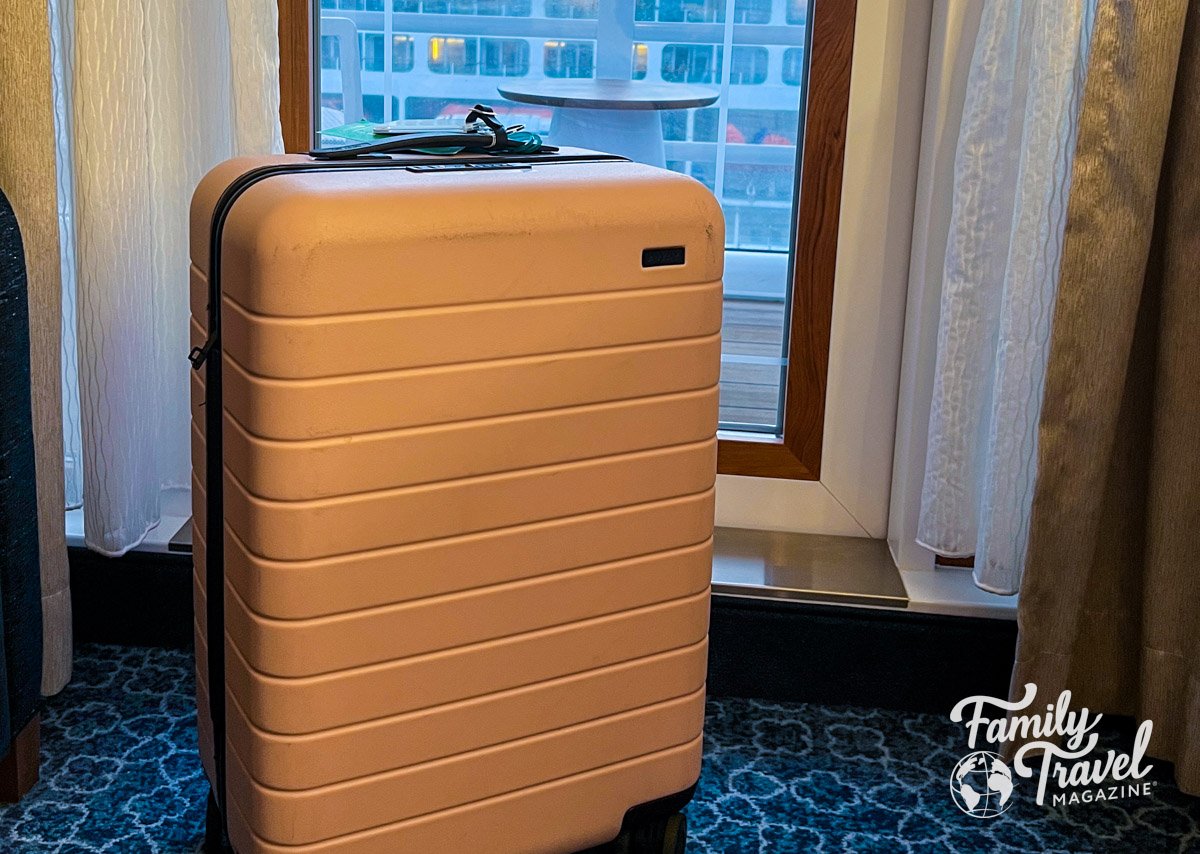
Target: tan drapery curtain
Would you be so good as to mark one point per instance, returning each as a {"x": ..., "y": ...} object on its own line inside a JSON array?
[
  {"x": 1110, "y": 603},
  {"x": 28, "y": 176}
]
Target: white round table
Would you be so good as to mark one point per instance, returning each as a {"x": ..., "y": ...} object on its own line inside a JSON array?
[{"x": 615, "y": 116}]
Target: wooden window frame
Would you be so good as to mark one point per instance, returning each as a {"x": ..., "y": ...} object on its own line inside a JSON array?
[
  {"x": 295, "y": 74},
  {"x": 797, "y": 454}
]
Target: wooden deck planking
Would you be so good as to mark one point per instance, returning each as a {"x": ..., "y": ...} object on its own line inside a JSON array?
[{"x": 750, "y": 392}]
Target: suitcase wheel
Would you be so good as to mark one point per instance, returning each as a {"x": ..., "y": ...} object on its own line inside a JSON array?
[
  {"x": 675, "y": 834},
  {"x": 663, "y": 836}
]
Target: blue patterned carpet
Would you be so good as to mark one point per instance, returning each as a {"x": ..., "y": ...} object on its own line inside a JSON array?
[{"x": 120, "y": 774}]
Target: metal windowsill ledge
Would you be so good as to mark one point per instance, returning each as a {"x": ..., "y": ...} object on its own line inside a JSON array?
[
  {"x": 816, "y": 569},
  {"x": 813, "y": 568}
]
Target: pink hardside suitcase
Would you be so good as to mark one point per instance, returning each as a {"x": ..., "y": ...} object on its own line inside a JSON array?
[{"x": 456, "y": 500}]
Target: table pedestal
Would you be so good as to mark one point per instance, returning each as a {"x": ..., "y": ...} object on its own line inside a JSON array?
[{"x": 636, "y": 134}]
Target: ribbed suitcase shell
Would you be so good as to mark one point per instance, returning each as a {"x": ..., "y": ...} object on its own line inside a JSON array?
[{"x": 469, "y": 455}]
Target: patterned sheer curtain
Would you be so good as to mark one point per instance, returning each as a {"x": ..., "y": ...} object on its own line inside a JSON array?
[
  {"x": 1004, "y": 247},
  {"x": 149, "y": 95}
]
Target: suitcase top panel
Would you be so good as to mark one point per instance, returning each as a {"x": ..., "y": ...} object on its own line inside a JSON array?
[{"x": 338, "y": 241}]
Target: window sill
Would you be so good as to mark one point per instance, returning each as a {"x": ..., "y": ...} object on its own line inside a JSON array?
[
  {"x": 842, "y": 571},
  {"x": 806, "y": 568},
  {"x": 163, "y": 538}
]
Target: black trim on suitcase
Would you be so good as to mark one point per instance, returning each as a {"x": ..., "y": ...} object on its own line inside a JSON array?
[
  {"x": 647, "y": 815},
  {"x": 208, "y": 356}
]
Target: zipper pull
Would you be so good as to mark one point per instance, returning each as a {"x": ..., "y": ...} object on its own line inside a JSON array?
[{"x": 199, "y": 355}]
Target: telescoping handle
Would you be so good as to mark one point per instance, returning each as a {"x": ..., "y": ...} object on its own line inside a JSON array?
[{"x": 482, "y": 132}]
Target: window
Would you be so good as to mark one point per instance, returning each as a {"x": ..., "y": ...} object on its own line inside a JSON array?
[
  {"x": 689, "y": 63},
  {"x": 711, "y": 11},
  {"x": 371, "y": 50},
  {"x": 453, "y": 55},
  {"x": 489, "y": 57},
  {"x": 641, "y": 61},
  {"x": 373, "y": 106},
  {"x": 507, "y": 8},
  {"x": 702, "y": 64},
  {"x": 749, "y": 66},
  {"x": 505, "y": 57},
  {"x": 793, "y": 66},
  {"x": 571, "y": 9},
  {"x": 568, "y": 59},
  {"x": 780, "y": 69},
  {"x": 403, "y": 55},
  {"x": 355, "y": 5}
]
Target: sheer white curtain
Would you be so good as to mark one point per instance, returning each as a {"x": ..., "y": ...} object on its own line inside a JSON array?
[
  {"x": 151, "y": 94},
  {"x": 1011, "y": 181}
]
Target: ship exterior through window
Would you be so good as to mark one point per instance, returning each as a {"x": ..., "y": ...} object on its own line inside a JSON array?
[{"x": 746, "y": 147}]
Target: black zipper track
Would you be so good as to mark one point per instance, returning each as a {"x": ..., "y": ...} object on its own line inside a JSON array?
[{"x": 208, "y": 356}]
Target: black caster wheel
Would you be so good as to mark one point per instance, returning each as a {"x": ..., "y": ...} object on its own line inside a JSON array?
[
  {"x": 664, "y": 836},
  {"x": 215, "y": 840},
  {"x": 675, "y": 835}
]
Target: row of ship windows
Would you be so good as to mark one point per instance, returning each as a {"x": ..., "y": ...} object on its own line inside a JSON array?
[
  {"x": 498, "y": 57},
  {"x": 645, "y": 11}
]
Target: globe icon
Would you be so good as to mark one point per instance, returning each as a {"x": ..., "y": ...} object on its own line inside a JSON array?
[{"x": 982, "y": 785}]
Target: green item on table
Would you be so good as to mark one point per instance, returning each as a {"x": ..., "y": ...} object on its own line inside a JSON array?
[
  {"x": 364, "y": 131},
  {"x": 361, "y": 131}
]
